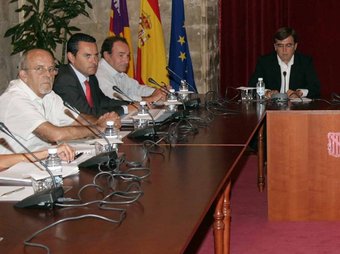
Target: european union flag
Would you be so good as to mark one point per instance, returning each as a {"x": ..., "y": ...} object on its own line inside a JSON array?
[{"x": 179, "y": 55}]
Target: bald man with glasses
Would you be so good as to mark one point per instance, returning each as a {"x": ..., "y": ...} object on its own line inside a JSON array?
[{"x": 285, "y": 70}]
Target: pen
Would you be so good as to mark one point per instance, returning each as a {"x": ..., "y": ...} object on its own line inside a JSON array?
[
  {"x": 78, "y": 155},
  {"x": 12, "y": 191}
]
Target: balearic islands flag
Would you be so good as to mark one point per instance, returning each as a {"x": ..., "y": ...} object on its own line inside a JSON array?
[
  {"x": 179, "y": 55},
  {"x": 151, "y": 58},
  {"x": 119, "y": 25}
]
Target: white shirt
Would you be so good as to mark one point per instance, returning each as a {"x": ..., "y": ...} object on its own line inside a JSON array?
[
  {"x": 108, "y": 77},
  {"x": 285, "y": 79},
  {"x": 22, "y": 111}
]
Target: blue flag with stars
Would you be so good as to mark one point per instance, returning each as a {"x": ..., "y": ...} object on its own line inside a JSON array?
[{"x": 179, "y": 55}]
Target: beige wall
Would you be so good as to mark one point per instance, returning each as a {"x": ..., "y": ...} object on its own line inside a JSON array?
[{"x": 201, "y": 26}]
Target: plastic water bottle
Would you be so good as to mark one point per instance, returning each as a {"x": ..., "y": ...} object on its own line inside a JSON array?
[
  {"x": 111, "y": 131},
  {"x": 143, "y": 109},
  {"x": 183, "y": 91},
  {"x": 260, "y": 89},
  {"x": 172, "y": 101},
  {"x": 142, "y": 118},
  {"x": 53, "y": 163}
]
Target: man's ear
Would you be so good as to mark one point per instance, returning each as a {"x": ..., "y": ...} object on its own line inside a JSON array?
[
  {"x": 106, "y": 55},
  {"x": 23, "y": 75},
  {"x": 295, "y": 46},
  {"x": 70, "y": 57}
]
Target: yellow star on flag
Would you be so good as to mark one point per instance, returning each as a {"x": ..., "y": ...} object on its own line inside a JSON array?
[
  {"x": 182, "y": 56},
  {"x": 181, "y": 40}
]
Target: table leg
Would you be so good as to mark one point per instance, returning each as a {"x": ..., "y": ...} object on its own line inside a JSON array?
[
  {"x": 260, "y": 154},
  {"x": 222, "y": 223}
]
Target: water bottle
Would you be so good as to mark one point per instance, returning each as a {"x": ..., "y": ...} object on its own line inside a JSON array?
[
  {"x": 111, "y": 131},
  {"x": 53, "y": 163},
  {"x": 142, "y": 118},
  {"x": 260, "y": 89},
  {"x": 183, "y": 91},
  {"x": 172, "y": 101}
]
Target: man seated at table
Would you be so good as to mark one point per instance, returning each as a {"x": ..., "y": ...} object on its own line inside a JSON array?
[
  {"x": 112, "y": 70},
  {"x": 65, "y": 152},
  {"x": 285, "y": 70},
  {"x": 77, "y": 84},
  {"x": 34, "y": 114}
]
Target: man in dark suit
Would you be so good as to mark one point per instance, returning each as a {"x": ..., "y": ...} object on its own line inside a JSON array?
[
  {"x": 77, "y": 84},
  {"x": 285, "y": 70}
]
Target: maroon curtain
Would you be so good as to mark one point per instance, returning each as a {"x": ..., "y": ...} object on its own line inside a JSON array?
[{"x": 247, "y": 28}]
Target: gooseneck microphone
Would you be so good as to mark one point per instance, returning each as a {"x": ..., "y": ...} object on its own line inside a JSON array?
[
  {"x": 181, "y": 78},
  {"x": 281, "y": 97},
  {"x": 284, "y": 82},
  {"x": 46, "y": 198},
  {"x": 118, "y": 90},
  {"x": 163, "y": 88},
  {"x": 99, "y": 158}
]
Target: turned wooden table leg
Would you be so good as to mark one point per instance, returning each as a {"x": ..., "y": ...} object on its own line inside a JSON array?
[{"x": 222, "y": 223}]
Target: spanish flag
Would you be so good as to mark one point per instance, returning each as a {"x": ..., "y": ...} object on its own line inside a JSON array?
[
  {"x": 119, "y": 26},
  {"x": 151, "y": 58}
]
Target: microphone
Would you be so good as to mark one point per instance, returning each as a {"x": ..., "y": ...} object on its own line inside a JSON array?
[
  {"x": 118, "y": 90},
  {"x": 99, "y": 158},
  {"x": 46, "y": 198},
  {"x": 281, "y": 97},
  {"x": 163, "y": 88},
  {"x": 285, "y": 85},
  {"x": 181, "y": 79}
]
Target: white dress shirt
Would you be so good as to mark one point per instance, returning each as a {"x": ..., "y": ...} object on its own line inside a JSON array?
[
  {"x": 22, "y": 111},
  {"x": 108, "y": 77}
]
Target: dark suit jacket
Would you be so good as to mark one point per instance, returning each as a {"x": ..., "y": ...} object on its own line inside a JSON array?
[
  {"x": 69, "y": 88},
  {"x": 302, "y": 74}
]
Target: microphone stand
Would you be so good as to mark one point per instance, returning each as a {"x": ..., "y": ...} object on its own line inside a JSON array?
[
  {"x": 99, "y": 158},
  {"x": 181, "y": 79},
  {"x": 45, "y": 198}
]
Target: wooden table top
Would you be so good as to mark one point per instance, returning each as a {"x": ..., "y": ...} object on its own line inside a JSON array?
[{"x": 183, "y": 185}]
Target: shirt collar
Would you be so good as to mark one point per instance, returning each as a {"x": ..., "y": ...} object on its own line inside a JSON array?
[
  {"x": 281, "y": 63},
  {"x": 80, "y": 76}
]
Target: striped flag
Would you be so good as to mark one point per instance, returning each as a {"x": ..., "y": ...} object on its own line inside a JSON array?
[
  {"x": 151, "y": 58},
  {"x": 119, "y": 25},
  {"x": 179, "y": 55}
]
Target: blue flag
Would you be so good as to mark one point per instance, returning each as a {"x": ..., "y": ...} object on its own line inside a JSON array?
[{"x": 179, "y": 55}]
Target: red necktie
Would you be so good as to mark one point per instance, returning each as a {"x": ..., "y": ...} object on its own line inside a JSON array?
[{"x": 88, "y": 93}]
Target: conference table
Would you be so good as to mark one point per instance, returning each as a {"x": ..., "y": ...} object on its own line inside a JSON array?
[{"x": 189, "y": 182}]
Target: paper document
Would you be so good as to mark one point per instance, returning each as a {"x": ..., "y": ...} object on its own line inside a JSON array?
[
  {"x": 15, "y": 193},
  {"x": 24, "y": 171}
]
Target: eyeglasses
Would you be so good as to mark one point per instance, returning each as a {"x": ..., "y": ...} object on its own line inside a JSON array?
[
  {"x": 41, "y": 70},
  {"x": 288, "y": 45}
]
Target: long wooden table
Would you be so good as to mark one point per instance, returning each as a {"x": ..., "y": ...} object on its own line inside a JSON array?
[{"x": 184, "y": 184}]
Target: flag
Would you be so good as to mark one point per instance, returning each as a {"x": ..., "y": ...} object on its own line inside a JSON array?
[
  {"x": 119, "y": 26},
  {"x": 179, "y": 55},
  {"x": 151, "y": 58}
]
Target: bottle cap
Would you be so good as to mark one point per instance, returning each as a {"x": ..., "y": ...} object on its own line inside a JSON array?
[
  {"x": 52, "y": 150},
  {"x": 172, "y": 90},
  {"x": 142, "y": 103},
  {"x": 110, "y": 123},
  {"x": 260, "y": 79}
]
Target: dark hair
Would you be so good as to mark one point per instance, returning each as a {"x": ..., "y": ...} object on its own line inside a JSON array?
[
  {"x": 108, "y": 44},
  {"x": 72, "y": 44},
  {"x": 284, "y": 32}
]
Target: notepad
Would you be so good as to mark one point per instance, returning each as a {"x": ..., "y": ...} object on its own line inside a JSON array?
[{"x": 15, "y": 195}]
